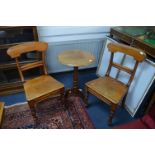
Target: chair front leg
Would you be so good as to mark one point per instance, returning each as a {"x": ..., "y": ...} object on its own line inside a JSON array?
[
  {"x": 33, "y": 111},
  {"x": 63, "y": 99},
  {"x": 112, "y": 112}
]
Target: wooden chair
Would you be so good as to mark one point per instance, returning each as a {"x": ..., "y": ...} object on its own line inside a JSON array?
[
  {"x": 108, "y": 89},
  {"x": 39, "y": 88}
]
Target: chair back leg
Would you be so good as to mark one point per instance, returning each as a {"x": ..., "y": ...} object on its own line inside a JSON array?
[
  {"x": 112, "y": 112},
  {"x": 86, "y": 95},
  {"x": 123, "y": 101}
]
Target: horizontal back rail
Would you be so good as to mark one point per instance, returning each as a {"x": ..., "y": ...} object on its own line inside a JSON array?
[
  {"x": 31, "y": 65},
  {"x": 127, "y": 50},
  {"x": 18, "y": 50},
  {"x": 123, "y": 68}
]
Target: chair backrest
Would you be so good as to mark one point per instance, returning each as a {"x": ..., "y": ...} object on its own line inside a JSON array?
[
  {"x": 138, "y": 55},
  {"x": 16, "y": 51}
]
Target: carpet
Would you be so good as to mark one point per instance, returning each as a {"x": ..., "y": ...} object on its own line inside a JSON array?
[{"x": 51, "y": 115}]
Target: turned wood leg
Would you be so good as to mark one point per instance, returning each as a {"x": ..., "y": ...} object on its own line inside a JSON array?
[
  {"x": 86, "y": 95},
  {"x": 75, "y": 80},
  {"x": 62, "y": 95},
  {"x": 62, "y": 98},
  {"x": 112, "y": 111},
  {"x": 33, "y": 111}
]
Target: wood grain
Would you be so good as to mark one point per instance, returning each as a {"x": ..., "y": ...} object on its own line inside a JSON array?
[
  {"x": 41, "y": 87},
  {"x": 137, "y": 54},
  {"x": 31, "y": 65},
  {"x": 110, "y": 90},
  {"x": 76, "y": 58},
  {"x": 16, "y": 51}
]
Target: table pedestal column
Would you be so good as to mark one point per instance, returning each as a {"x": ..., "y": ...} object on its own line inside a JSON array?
[
  {"x": 75, "y": 90},
  {"x": 75, "y": 80}
]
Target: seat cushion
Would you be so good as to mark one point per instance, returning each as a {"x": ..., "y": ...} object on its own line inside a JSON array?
[
  {"x": 41, "y": 86},
  {"x": 108, "y": 88}
]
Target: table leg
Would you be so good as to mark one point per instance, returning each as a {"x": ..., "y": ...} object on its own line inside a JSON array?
[
  {"x": 75, "y": 80},
  {"x": 75, "y": 90}
]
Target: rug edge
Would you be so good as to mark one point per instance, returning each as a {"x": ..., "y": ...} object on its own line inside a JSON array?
[{"x": 16, "y": 104}]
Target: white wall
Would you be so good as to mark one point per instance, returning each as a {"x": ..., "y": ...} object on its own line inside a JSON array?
[
  {"x": 68, "y": 33},
  {"x": 60, "y": 38}
]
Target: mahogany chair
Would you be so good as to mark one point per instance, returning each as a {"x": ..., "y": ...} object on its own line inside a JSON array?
[
  {"x": 39, "y": 88},
  {"x": 111, "y": 90}
]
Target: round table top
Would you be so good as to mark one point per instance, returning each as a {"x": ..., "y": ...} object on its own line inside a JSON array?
[{"x": 76, "y": 58}]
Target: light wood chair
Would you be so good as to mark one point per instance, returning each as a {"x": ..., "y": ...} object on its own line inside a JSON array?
[
  {"x": 39, "y": 88},
  {"x": 108, "y": 89}
]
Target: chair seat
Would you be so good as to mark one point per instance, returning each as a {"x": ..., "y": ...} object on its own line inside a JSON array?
[
  {"x": 107, "y": 88},
  {"x": 41, "y": 86}
]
